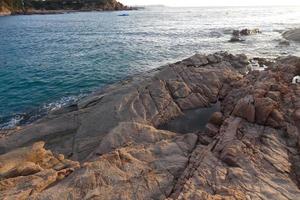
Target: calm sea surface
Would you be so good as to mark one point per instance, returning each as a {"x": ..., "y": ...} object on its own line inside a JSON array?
[{"x": 47, "y": 61}]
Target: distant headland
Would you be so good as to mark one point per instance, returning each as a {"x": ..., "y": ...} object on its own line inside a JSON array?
[{"x": 15, "y": 7}]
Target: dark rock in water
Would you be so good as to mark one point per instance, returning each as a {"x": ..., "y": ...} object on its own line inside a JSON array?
[
  {"x": 263, "y": 61},
  {"x": 251, "y": 140},
  {"x": 284, "y": 43},
  {"x": 237, "y": 35},
  {"x": 236, "y": 39},
  {"x": 293, "y": 35},
  {"x": 123, "y": 15},
  {"x": 245, "y": 32}
]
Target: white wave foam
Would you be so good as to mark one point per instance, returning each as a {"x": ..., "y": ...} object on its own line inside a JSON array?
[{"x": 13, "y": 122}]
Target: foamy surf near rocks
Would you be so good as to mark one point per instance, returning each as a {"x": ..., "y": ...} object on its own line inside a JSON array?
[{"x": 249, "y": 148}]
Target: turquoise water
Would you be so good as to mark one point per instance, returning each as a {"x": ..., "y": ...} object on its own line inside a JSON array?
[{"x": 47, "y": 61}]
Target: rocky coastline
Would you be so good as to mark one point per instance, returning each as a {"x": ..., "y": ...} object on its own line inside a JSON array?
[
  {"x": 111, "y": 145},
  {"x": 30, "y": 7}
]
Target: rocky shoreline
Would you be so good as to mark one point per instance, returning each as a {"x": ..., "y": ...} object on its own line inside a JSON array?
[
  {"x": 110, "y": 145},
  {"x": 29, "y": 7}
]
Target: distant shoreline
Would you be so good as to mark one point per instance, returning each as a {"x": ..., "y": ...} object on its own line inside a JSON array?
[{"x": 54, "y": 12}]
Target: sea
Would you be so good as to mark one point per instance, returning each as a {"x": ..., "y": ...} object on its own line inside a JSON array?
[{"x": 50, "y": 61}]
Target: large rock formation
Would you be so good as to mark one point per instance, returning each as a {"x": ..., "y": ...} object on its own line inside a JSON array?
[{"x": 248, "y": 150}]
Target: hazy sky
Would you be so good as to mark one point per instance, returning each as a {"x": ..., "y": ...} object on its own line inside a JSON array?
[{"x": 211, "y": 2}]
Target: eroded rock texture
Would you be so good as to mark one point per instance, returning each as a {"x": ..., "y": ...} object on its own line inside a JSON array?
[{"x": 247, "y": 150}]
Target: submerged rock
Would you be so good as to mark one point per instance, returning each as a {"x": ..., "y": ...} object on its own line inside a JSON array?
[
  {"x": 247, "y": 149},
  {"x": 236, "y": 39}
]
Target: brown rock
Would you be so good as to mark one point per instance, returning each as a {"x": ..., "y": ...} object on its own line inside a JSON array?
[
  {"x": 216, "y": 119},
  {"x": 245, "y": 109},
  {"x": 274, "y": 95},
  {"x": 24, "y": 169},
  {"x": 29, "y": 170},
  {"x": 275, "y": 119},
  {"x": 115, "y": 134},
  {"x": 263, "y": 109}
]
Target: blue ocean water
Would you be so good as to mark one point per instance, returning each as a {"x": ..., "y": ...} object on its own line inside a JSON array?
[{"x": 47, "y": 61}]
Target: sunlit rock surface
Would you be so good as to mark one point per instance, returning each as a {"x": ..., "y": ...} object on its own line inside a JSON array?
[{"x": 248, "y": 149}]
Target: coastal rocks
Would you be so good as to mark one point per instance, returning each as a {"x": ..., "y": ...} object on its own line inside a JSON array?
[
  {"x": 237, "y": 35},
  {"x": 284, "y": 43},
  {"x": 29, "y": 170},
  {"x": 240, "y": 164},
  {"x": 216, "y": 119},
  {"x": 57, "y": 7},
  {"x": 136, "y": 169},
  {"x": 236, "y": 39},
  {"x": 293, "y": 35},
  {"x": 201, "y": 128},
  {"x": 246, "y": 32},
  {"x": 245, "y": 108}
]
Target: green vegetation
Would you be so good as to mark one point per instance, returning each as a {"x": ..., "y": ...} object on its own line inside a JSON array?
[
  {"x": 11, "y": 5},
  {"x": 17, "y": 6}
]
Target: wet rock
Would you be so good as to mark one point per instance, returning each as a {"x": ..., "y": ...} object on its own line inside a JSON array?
[
  {"x": 236, "y": 39},
  {"x": 245, "y": 32},
  {"x": 238, "y": 35},
  {"x": 293, "y": 34},
  {"x": 284, "y": 43}
]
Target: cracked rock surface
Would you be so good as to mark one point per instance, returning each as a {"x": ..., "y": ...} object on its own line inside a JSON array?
[{"x": 248, "y": 149}]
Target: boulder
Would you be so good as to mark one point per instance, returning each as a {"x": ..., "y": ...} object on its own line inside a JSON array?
[
  {"x": 216, "y": 119},
  {"x": 263, "y": 108},
  {"x": 245, "y": 108}
]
